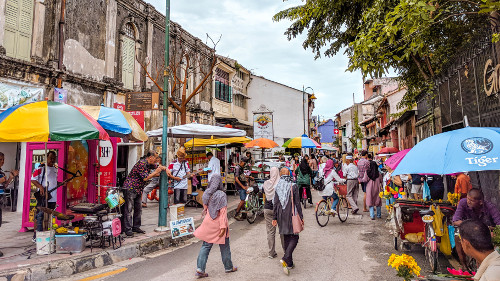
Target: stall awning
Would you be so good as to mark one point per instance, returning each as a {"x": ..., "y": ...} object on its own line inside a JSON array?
[{"x": 207, "y": 142}]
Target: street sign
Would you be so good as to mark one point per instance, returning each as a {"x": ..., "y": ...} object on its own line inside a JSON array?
[
  {"x": 142, "y": 101},
  {"x": 336, "y": 131}
]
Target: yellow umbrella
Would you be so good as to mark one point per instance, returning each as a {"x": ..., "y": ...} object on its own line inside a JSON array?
[{"x": 206, "y": 142}]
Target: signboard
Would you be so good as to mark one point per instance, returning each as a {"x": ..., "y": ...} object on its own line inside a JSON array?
[
  {"x": 182, "y": 227},
  {"x": 142, "y": 101},
  {"x": 60, "y": 95},
  {"x": 263, "y": 125},
  {"x": 13, "y": 94},
  {"x": 138, "y": 115},
  {"x": 107, "y": 161},
  {"x": 336, "y": 131}
]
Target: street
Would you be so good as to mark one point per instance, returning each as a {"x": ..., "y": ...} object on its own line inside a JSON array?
[{"x": 355, "y": 250}]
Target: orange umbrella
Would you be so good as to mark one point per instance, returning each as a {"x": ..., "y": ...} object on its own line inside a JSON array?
[{"x": 261, "y": 143}]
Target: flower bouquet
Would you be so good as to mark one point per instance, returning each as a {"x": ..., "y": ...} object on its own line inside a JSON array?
[
  {"x": 453, "y": 198},
  {"x": 405, "y": 265}
]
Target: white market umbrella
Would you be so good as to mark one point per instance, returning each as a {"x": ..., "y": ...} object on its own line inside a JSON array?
[{"x": 198, "y": 131}]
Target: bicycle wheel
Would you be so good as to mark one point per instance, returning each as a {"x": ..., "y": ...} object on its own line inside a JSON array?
[
  {"x": 321, "y": 217},
  {"x": 431, "y": 252},
  {"x": 252, "y": 210},
  {"x": 342, "y": 210}
]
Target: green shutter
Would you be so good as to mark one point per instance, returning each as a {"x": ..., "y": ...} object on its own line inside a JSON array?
[
  {"x": 128, "y": 56},
  {"x": 217, "y": 89},
  {"x": 18, "y": 28},
  {"x": 230, "y": 94}
]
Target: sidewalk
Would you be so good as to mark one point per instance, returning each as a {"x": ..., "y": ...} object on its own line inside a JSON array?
[{"x": 20, "y": 261}]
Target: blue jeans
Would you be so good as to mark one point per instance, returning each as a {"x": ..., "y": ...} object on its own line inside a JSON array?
[
  {"x": 225, "y": 252},
  {"x": 372, "y": 212},
  {"x": 390, "y": 201},
  {"x": 335, "y": 200}
]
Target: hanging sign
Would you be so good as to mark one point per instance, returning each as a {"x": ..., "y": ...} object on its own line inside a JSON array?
[
  {"x": 263, "y": 126},
  {"x": 336, "y": 131},
  {"x": 142, "y": 101}
]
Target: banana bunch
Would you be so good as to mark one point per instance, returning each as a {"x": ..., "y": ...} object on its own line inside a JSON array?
[{"x": 62, "y": 230}]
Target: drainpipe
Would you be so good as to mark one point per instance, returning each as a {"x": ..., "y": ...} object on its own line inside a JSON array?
[{"x": 61, "y": 42}]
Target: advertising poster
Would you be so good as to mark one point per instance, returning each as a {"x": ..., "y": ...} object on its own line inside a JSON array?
[
  {"x": 263, "y": 126},
  {"x": 14, "y": 94},
  {"x": 182, "y": 227}
]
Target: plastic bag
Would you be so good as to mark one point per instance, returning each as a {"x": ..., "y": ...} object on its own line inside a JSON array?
[
  {"x": 451, "y": 234},
  {"x": 426, "y": 192},
  {"x": 445, "y": 245}
]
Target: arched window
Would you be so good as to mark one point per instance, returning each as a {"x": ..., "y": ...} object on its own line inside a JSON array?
[
  {"x": 128, "y": 56},
  {"x": 18, "y": 28}
]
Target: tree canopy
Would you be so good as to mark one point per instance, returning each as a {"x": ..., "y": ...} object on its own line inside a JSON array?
[{"x": 415, "y": 38}]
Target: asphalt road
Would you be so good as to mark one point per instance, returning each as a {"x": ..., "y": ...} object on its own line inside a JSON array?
[{"x": 355, "y": 250}]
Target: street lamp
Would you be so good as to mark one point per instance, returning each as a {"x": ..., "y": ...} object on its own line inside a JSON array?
[{"x": 303, "y": 106}]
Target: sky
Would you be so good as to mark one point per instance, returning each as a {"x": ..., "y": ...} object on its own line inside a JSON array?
[{"x": 250, "y": 36}]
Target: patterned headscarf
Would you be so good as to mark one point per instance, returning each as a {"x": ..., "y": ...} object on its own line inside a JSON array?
[
  {"x": 283, "y": 189},
  {"x": 214, "y": 197},
  {"x": 328, "y": 168}
]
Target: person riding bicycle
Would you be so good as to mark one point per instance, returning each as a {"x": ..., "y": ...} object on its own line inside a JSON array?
[
  {"x": 329, "y": 174},
  {"x": 304, "y": 174},
  {"x": 476, "y": 208}
]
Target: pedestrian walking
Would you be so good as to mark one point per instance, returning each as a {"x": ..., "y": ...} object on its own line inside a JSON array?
[
  {"x": 304, "y": 175},
  {"x": 215, "y": 227},
  {"x": 286, "y": 193},
  {"x": 363, "y": 166},
  {"x": 416, "y": 186},
  {"x": 373, "y": 188},
  {"x": 313, "y": 164},
  {"x": 329, "y": 175},
  {"x": 436, "y": 186},
  {"x": 269, "y": 190},
  {"x": 351, "y": 173},
  {"x": 241, "y": 182},
  {"x": 134, "y": 185}
]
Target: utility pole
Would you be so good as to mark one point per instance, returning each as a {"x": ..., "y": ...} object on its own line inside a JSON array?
[{"x": 162, "y": 216}]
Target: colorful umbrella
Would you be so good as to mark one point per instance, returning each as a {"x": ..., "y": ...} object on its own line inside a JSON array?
[
  {"x": 47, "y": 120},
  {"x": 301, "y": 142},
  {"x": 117, "y": 122},
  {"x": 328, "y": 147},
  {"x": 261, "y": 143},
  {"x": 464, "y": 150},
  {"x": 395, "y": 159},
  {"x": 215, "y": 141}
]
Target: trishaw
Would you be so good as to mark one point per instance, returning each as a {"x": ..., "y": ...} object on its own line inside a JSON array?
[{"x": 413, "y": 223}]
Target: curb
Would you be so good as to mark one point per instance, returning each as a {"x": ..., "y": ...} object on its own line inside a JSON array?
[{"x": 69, "y": 266}]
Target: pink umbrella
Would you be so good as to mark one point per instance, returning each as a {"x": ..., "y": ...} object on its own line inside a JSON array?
[{"x": 395, "y": 159}]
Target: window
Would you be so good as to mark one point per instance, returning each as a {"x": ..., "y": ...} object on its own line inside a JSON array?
[
  {"x": 239, "y": 74},
  {"x": 18, "y": 28},
  {"x": 240, "y": 101},
  {"x": 128, "y": 56},
  {"x": 222, "y": 89}
]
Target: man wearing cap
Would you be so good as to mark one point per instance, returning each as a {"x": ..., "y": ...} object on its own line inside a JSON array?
[
  {"x": 180, "y": 172},
  {"x": 241, "y": 181},
  {"x": 351, "y": 173}
]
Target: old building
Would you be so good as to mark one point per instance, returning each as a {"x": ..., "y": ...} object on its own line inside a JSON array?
[{"x": 96, "y": 50}]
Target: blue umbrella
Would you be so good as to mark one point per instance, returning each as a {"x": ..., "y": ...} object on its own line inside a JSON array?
[{"x": 463, "y": 150}]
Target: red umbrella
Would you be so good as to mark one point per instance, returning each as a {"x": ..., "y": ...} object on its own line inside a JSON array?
[{"x": 388, "y": 150}]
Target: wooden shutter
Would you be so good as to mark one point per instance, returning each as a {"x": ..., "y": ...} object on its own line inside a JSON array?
[
  {"x": 217, "y": 89},
  {"x": 230, "y": 94},
  {"x": 18, "y": 28},
  {"x": 128, "y": 56}
]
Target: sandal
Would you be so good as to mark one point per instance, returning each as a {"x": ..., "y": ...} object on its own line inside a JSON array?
[
  {"x": 201, "y": 274},
  {"x": 232, "y": 270}
]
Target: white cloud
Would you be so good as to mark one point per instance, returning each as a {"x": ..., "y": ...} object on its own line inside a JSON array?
[{"x": 251, "y": 37}]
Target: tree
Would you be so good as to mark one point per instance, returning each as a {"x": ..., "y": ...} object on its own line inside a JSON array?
[
  {"x": 187, "y": 63},
  {"x": 414, "y": 38}
]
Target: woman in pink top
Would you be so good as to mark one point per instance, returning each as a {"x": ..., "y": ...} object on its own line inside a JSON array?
[{"x": 214, "y": 229}]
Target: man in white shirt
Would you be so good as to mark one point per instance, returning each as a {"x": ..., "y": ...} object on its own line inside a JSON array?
[
  {"x": 213, "y": 165},
  {"x": 476, "y": 242},
  {"x": 180, "y": 172},
  {"x": 351, "y": 173}
]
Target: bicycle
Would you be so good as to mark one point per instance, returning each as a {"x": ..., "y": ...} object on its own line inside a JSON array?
[
  {"x": 254, "y": 204},
  {"x": 323, "y": 208}
]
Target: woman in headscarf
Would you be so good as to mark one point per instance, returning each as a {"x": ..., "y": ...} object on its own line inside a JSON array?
[
  {"x": 269, "y": 188},
  {"x": 304, "y": 174},
  {"x": 282, "y": 207},
  {"x": 373, "y": 188},
  {"x": 214, "y": 229},
  {"x": 329, "y": 174}
]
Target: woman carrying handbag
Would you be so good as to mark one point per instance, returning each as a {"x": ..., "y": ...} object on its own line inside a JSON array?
[{"x": 288, "y": 216}]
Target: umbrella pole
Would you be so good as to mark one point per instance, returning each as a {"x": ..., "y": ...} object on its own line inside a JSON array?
[
  {"x": 46, "y": 184},
  {"x": 98, "y": 171}
]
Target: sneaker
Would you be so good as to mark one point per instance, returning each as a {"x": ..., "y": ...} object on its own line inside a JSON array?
[
  {"x": 372, "y": 218},
  {"x": 291, "y": 267},
  {"x": 272, "y": 256},
  {"x": 333, "y": 212},
  {"x": 201, "y": 274},
  {"x": 33, "y": 239},
  {"x": 328, "y": 212},
  {"x": 285, "y": 267},
  {"x": 138, "y": 230}
]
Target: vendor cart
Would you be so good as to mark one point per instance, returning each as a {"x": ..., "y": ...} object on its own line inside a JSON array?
[{"x": 415, "y": 222}]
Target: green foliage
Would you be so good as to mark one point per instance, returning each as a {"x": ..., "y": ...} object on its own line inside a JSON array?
[
  {"x": 496, "y": 236},
  {"x": 415, "y": 38}
]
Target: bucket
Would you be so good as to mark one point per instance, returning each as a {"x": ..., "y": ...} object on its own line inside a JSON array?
[
  {"x": 45, "y": 242},
  {"x": 176, "y": 212},
  {"x": 112, "y": 200}
]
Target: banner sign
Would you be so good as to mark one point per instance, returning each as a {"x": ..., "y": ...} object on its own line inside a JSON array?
[
  {"x": 263, "y": 126},
  {"x": 60, "y": 95},
  {"x": 182, "y": 227},
  {"x": 142, "y": 101},
  {"x": 14, "y": 94}
]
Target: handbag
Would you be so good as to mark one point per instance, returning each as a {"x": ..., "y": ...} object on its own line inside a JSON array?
[{"x": 297, "y": 223}]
